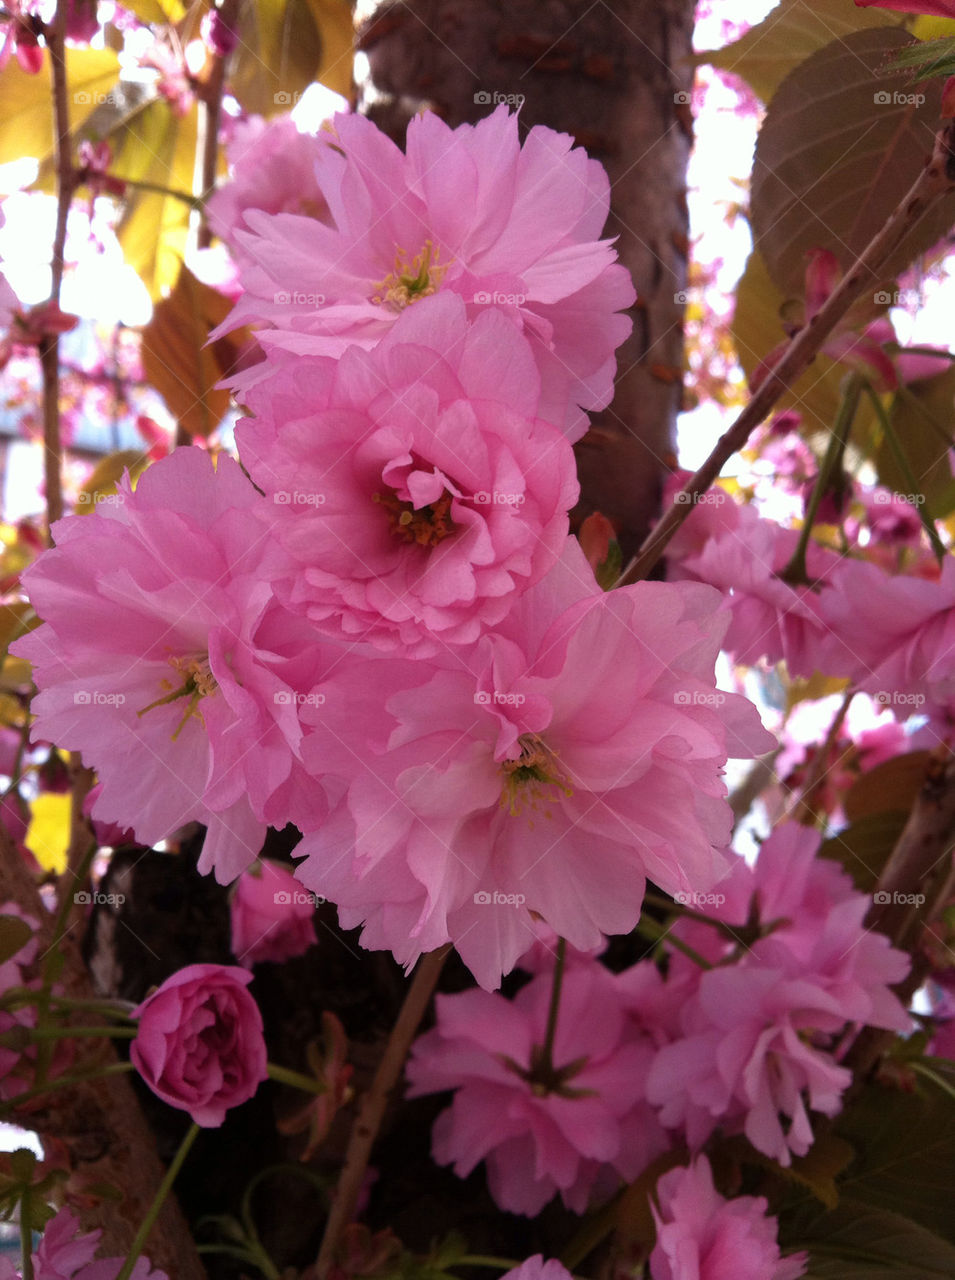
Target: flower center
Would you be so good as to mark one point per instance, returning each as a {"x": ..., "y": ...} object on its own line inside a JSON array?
[
  {"x": 407, "y": 283},
  {"x": 198, "y": 682},
  {"x": 426, "y": 526},
  {"x": 535, "y": 774}
]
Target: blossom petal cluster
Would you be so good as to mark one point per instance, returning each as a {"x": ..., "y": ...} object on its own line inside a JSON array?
[
  {"x": 702, "y": 1235},
  {"x": 542, "y": 1127},
  {"x": 64, "y": 1253},
  {"x": 472, "y": 211}
]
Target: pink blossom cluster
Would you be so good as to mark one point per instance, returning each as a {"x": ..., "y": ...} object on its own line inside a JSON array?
[
  {"x": 742, "y": 1033},
  {"x": 66, "y": 1254},
  {"x": 386, "y": 635}
]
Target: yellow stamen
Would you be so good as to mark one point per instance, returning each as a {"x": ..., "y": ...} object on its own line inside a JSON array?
[
  {"x": 198, "y": 683},
  {"x": 536, "y": 773},
  {"x": 426, "y": 526},
  {"x": 406, "y": 284}
]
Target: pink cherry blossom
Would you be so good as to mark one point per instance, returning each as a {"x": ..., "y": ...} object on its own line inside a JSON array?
[
  {"x": 541, "y": 1127},
  {"x": 166, "y": 661},
  {"x": 552, "y": 768},
  {"x": 200, "y": 1045},
  {"x": 63, "y": 1254},
  {"x": 537, "y": 1269},
  {"x": 412, "y": 485},
  {"x": 702, "y": 1236},
  {"x": 272, "y": 918},
  {"x": 470, "y": 211},
  {"x": 273, "y": 169},
  {"x": 746, "y": 1058}
]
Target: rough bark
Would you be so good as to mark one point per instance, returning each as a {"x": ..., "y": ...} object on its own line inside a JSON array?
[{"x": 617, "y": 77}]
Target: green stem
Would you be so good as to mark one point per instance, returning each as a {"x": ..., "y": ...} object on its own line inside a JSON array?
[
  {"x": 44, "y": 1055},
  {"x": 155, "y": 188},
  {"x": 482, "y": 1260},
  {"x": 26, "y": 1237},
  {"x": 63, "y": 1082},
  {"x": 653, "y": 931},
  {"x": 70, "y": 1033},
  {"x": 928, "y": 524},
  {"x": 126, "y": 1270},
  {"x": 285, "y": 1075},
  {"x": 796, "y": 573},
  {"x": 547, "y": 1055},
  {"x": 677, "y": 909}
]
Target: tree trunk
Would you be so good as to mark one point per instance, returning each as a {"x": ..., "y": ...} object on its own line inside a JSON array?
[{"x": 617, "y": 77}]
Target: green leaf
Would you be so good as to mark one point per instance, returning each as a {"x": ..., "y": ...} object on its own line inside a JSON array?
[
  {"x": 890, "y": 786},
  {"x": 905, "y": 1144},
  {"x": 841, "y": 142},
  {"x": 768, "y": 52},
  {"x": 855, "y": 1242},
  {"x": 14, "y": 935},
  {"x": 863, "y": 848},
  {"x": 155, "y": 146},
  {"x": 757, "y": 328},
  {"x": 26, "y": 108},
  {"x": 924, "y": 422},
  {"x": 287, "y": 44}
]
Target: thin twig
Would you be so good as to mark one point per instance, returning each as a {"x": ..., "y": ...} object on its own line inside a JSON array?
[
  {"x": 372, "y": 1110},
  {"x": 937, "y": 179},
  {"x": 55, "y": 36}
]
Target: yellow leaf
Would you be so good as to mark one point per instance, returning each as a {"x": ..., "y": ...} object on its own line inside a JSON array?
[
  {"x": 177, "y": 361},
  {"x": 101, "y": 483},
  {"x": 26, "y": 110},
  {"x": 48, "y": 835},
  {"x": 285, "y": 45},
  {"x": 157, "y": 147},
  {"x": 158, "y": 11}
]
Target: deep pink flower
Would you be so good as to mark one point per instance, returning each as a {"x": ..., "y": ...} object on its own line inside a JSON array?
[
  {"x": 273, "y": 169},
  {"x": 940, "y": 8},
  {"x": 200, "y": 1045},
  {"x": 469, "y": 211},
  {"x": 746, "y": 1058},
  {"x": 702, "y": 1236},
  {"x": 551, "y": 768},
  {"x": 166, "y": 661},
  {"x": 272, "y": 917},
  {"x": 63, "y": 1254},
  {"x": 540, "y": 1132},
  {"x": 411, "y": 485}
]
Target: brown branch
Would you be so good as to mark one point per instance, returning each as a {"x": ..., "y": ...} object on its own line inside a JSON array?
[
  {"x": 55, "y": 36},
  {"x": 372, "y": 1109},
  {"x": 98, "y": 1121},
  {"x": 936, "y": 180},
  {"x": 920, "y": 865}
]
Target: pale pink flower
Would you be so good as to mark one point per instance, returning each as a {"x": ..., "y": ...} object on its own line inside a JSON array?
[
  {"x": 272, "y": 918},
  {"x": 901, "y": 631},
  {"x": 273, "y": 170},
  {"x": 200, "y": 1044},
  {"x": 702, "y": 1236},
  {"x": 63, "y": 1254},
  {"x": 551, "y": 769},
  {"x": 166, "y": 661},
  {"x": 469, "y": 211},
  {"x": 536, "y": 1268},
  {"x": 770, "y": 618},
  {"x": 746, "y": 1059},
  {"x": 412, "y": 486},
  {"x": 540, "y": 1130}
]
